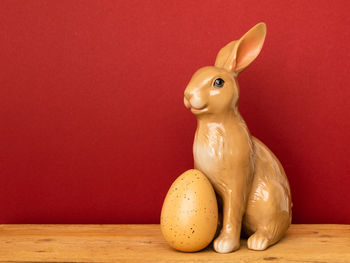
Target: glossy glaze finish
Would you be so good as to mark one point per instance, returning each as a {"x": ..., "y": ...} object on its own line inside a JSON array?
[{"x": 244, "y": 172}]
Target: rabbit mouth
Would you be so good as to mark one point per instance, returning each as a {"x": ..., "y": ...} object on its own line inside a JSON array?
[
  {"x": 192, "y": 108},
  {"x": 195, "y": 110}
]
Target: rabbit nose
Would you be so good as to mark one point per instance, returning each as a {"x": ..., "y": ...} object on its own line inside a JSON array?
[{"x": 188, "y": 95}]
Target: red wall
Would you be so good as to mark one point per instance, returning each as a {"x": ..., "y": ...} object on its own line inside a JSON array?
[{"x": 92, "y": 123}]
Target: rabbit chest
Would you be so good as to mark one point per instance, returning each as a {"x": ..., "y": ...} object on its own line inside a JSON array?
[{"x": 219, "y": 151}]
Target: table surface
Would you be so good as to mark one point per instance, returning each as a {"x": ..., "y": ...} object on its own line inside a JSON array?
[{"x": 144, "y": 243}]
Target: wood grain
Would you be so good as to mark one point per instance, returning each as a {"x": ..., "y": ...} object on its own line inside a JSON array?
[{"x": 144, "y": 243}]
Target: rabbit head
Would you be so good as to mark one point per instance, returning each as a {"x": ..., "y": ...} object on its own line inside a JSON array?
[{"x": 214, "y": 89}]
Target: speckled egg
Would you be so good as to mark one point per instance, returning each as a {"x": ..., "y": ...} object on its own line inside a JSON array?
[{"x": 190, "y": 213}]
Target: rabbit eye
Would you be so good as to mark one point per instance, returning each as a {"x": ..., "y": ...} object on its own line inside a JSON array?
[{"x": 218, "y": 83}]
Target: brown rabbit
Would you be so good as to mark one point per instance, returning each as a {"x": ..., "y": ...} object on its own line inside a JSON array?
[{"x": 244, "y": 172}]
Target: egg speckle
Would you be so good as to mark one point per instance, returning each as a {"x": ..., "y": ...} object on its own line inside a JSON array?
[{"x": 189, "y": 214}]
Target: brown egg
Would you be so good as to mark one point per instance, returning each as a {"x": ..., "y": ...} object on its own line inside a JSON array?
[{"x": 190, "y": 213}]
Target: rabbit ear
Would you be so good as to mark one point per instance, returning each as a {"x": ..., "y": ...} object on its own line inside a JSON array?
[
  {"x": 238, "y": 55},
  {"x": 227, "y": 56}
]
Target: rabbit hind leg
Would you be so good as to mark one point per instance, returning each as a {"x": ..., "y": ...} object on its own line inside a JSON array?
[
  {"x": 267, "y": 235},
  {"x": 268, "y": 214}
]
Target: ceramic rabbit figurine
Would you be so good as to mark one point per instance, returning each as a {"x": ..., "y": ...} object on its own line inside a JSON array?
[{"x": 246, "y": 175}]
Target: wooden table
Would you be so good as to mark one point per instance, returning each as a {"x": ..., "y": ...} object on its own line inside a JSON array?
[{"x": 144, "y": 243}]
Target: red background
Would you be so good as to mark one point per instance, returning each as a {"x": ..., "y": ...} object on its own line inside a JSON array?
[{"x": 93, "y": 127}]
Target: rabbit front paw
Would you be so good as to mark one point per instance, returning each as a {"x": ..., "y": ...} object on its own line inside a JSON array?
[{"x": 226, "y": 243}]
